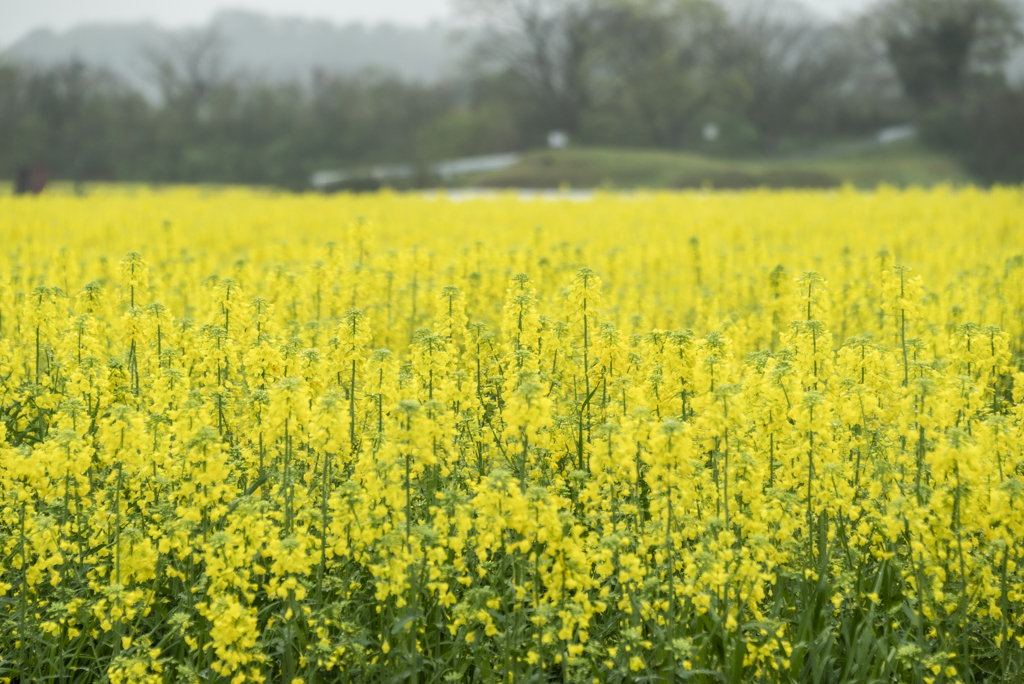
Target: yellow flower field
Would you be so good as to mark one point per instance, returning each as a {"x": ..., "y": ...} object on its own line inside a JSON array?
[{"x": 700, "y": 437}]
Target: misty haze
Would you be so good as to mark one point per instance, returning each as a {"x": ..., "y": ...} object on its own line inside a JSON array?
[{"x": 734, "y": 93}]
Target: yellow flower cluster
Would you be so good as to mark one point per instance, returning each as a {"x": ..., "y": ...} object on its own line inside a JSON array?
[{"x": 757, "y": 436}]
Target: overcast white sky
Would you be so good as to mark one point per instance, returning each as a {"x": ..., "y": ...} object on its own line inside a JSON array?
[{"x": 18, "y": 17}]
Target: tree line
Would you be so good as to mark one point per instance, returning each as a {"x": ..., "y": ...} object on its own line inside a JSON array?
[{"x": 716, "y": 76}]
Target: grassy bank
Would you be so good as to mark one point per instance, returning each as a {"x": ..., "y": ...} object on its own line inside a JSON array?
[
  {"x": 907, "y": 163},
  {"x": 901, "y": 164}
]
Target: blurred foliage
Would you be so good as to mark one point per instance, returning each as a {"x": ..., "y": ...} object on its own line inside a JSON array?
[
  {"x": 85, "y": 126},
  {"x": 984, "y": 133},
  {"x": 770, "y": 79}
]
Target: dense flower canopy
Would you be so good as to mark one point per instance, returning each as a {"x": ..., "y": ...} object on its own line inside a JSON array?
[{"x": 760, "y": 436}]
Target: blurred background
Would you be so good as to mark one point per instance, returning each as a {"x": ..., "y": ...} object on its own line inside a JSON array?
[{"x": 512, "y": 93}]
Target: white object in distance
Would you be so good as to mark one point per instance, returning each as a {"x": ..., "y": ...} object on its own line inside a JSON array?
[
  {"x": 558, "y": 139},
  {"x": 711, "y": 132},
  {"x": 892, "y": 134}
]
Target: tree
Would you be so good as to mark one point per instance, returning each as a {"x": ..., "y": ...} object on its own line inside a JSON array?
[
  {"x": 935, "y": 46},
  {"x": 795, "y": 66},
  {"x": 547, "y": 43},
  {"x": 665, "y": 59},
  {"x": 79, "y": 122},
  {"x": 189, "y": 68},
  {"x": 992, "y": 142}
]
